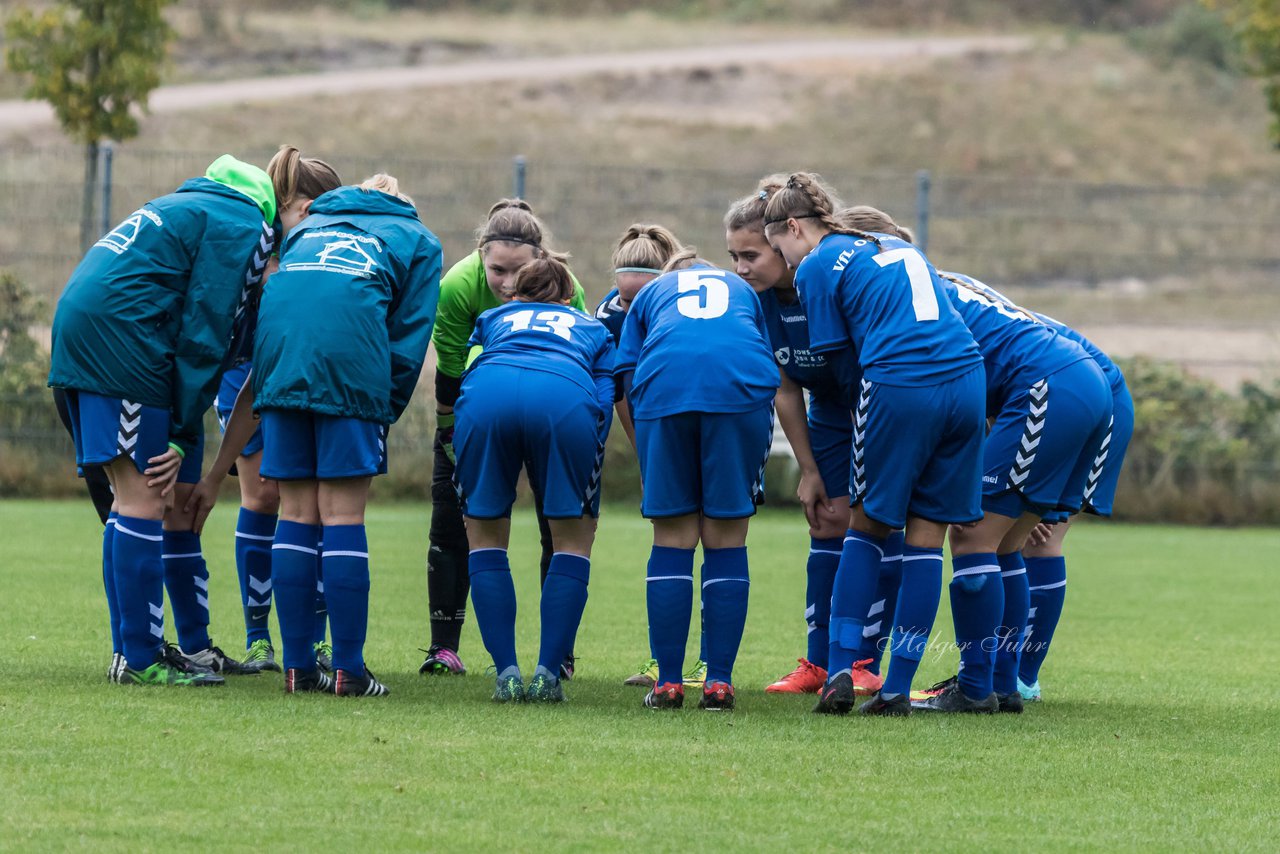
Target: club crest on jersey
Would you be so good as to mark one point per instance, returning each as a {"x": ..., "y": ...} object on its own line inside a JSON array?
[
  {"x": 341, "y": 253},
  {"x": 783, "y": 355},
  {"x": 120, "y": 238}
]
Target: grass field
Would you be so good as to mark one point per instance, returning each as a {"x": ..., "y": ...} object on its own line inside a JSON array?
[{"x": 1159, "y": 726}]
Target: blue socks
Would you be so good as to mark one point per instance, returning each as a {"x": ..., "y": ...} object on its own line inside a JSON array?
[
  {"x": 320, "y": 617},
  {"x": 725, "y": 585},
  {"x": 187, "y": 579},
  {"x": 1047, "y": 580},
  {"x": 564, "y": 595},
  {"x": 824, "y": 559},
  {"x": 345, "y": 562},
  {"x": 884, "y": 605},
  {"x": 254, "y": 534},
  {"x": 917, "y": 606},
  {"x": 493, "y": 595},
  {"x": 137, "y": 550},
  {"x": 669, "y": 597},
  {"x": 977, "y": 605},
  {"x": 295, "y": 565},
  {"x": 109, "y": 583},
  {"x": 1013, "y": 625},
  {"x": 855, "y": 586}
]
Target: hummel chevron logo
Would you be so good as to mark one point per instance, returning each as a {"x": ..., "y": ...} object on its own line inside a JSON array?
[{"x": 263, "y": 586}]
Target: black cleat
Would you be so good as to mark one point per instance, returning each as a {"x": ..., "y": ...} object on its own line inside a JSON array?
[
  {"x": 952, "y": 699},
  {"x": 668, "y": 695},
  {"x": 116, "y": 668},
  {"x": 307, "y": 681},
  {"x": 717, "y": 697},
  {"x": 218, "y": 661},
  {"x": 566, "y": 667},
  {"x": 1010, "y": 704},
  {"x": 348, "y": 684},
  {"x": 898, "y": 707},
  {"x": 836, "y": 697}
]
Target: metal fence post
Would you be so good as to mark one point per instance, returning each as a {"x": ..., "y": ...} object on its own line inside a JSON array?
[
  {"x": 923, "y": 181},
  {"x": 518, "y": 168},
  {"x": 107, "y": 152}
]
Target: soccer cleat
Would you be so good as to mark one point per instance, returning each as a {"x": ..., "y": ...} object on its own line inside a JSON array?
[
  {"x": 645, "y": 677},
  {"x": 1010, "y": 704},
  {"x": 509, "y": 690},
  {"x": 175, "y": 657},
  {"x": 953, "y": 700},
  {"x": 865, "y": 683},
  {"x": 170, "y": 668},
  {"x": 307, "y": 681},
  {"x": 442, "y": 661},
  {"x": 567, "y": 666},
  {"x": 260, "y": 656},
  {"x": 543, "y": 689},
  {"x": 898, "y": 707},
  {"x": 934, "y": 689},
  {"x": 116, "y": 668},
  {"x": 696, "y": 675},
  {"x": 1030, "y": 693},
  {"x": 717, "y": 697},
  {"x": 836, "y": 697},
  {"x": 807, "y": 678},
  {"x": 219, "y": 662},
  {"x": 668, "y": 695},
  {"x": 324, "y": 655},
  {"x": 348, "y": 684}
]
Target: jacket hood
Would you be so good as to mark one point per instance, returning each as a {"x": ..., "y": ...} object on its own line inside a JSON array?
[
  {"x": 247, "y": 179},
  {"x": 345, "y": 200}
]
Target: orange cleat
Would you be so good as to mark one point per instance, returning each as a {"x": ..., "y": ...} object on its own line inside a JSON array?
[
  {"x": 865, "y": 683},
  {"x": 807, "y": 678}
]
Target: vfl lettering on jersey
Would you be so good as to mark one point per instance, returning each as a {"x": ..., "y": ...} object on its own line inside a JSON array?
[
  {"x": 555, "y": 322},
  {"x": 924, "y": 301},
  {"x": 123, "y": 235},
  {"x": 344, "y": 253},
  {"x": 712, "y": 299},
  {"x": 846, "y": 256}
]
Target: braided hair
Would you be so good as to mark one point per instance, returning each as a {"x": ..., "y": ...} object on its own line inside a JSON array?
[
  {"x": 805, "y": 196},
  {"x": 748, "y": 211}
]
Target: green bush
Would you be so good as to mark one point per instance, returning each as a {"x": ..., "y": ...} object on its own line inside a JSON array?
[{"x": 1192, "y": 33}]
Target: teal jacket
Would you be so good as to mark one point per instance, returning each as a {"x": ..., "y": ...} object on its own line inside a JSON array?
[
  {"x": 147, "y": 315},
  {"x": 343, "y": 327}
]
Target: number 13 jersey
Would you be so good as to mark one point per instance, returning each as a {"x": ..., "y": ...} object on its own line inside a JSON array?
[
  {"x": 557, "y": 339},
  {"x": 696, "y": 340}
]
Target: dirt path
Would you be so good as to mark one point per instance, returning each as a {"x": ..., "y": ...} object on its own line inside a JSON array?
[{"x": 16, "y": 115}]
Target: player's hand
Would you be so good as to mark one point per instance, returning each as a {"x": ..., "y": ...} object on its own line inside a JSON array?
[
  {"x": 444, "y": 434},
  {"x": 163, "y": 471},
  {"x": 813, "y": 495},
  {"x": 1039, "y": 535},
  {"x": 201, "y": 502}
]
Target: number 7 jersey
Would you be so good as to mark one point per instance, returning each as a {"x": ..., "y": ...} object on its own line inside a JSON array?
[
  {"x": 696, "y": 340},
  {"x": 557, "y": 339},
  {"x": 890, "y": 304}
]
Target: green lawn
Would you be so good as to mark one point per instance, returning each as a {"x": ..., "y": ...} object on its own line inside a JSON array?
[{"x": 1159, "y": 726}]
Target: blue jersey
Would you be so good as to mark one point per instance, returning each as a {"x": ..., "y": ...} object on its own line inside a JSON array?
[
  {"x": 556, "y": 339},
  {"x": 830, "y": 375},
  {"x": 889, "y": 302},
  {"x": 612, "y": 314},
  {"x": 1017, "y": 348},
  {"x": 1115, "y": 378},
  {"x": 696, "y": 340}
]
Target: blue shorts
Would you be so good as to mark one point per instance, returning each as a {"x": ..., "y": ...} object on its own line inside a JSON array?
[
  {"x": 708, "y": 462},
  {"x": 301, "y": 445},
  {"x": 232, "y": 382},
  {"x": 105, "y": 428},
  {"x": 509, "y": 418},
  {"x": 1100, "y": 488},
  {"x": 1044, "y": 443},
  {"x": 193, "y": 463},
  {"x": 831, "y": 438},
  {"x": 918, "y": 451}
]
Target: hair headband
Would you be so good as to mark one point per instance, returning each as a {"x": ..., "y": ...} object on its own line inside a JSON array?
[
  {"x": 508, "y": 238},
  {"x": 796, "y": 216},
  {"x": 636, "y": 270}
]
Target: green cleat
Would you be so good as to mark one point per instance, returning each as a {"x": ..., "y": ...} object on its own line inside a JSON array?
[
  {"x": 324, "y": 655},
  {"x": 170, "y": 668},
  {"x": 261, "y": 656},
  {"x": 646, "y": 676},
  {"x": 510, "y": 689},
  {"x": 696, "y": 675},
  {"x": 544, "y": 689}
]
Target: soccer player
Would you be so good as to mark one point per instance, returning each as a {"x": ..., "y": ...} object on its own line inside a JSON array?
[
  {"x": 538, "y": 396},
  {"x": 298, "y": 181},
  {"x": 821, "y": 434},
  {"x": 510, "y": 238},
  {"x": 1044, "y": 556},
  {"x": 1051, "y": 408},
  {"x": 918, "y": 424},
  {"x": 342, "y": 334},
  {"x": 139, "y": 336},
  {"x": 637, "y": 260},
  {"x": 699, "y": 378}
]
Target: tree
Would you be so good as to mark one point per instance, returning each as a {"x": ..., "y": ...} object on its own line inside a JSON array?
[
  {"x": 92, "y": 60},
  {"x": 1257, "y": 24}
]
